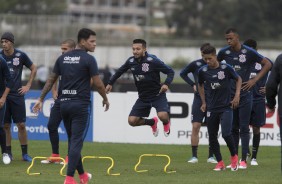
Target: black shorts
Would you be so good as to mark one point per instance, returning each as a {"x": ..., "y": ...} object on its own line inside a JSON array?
[
  {"x": 15, "y": 109},
  {"x": 143, "y": 108}
]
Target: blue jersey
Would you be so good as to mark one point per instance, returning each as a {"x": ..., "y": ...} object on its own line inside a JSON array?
[
  {"x": 15, "y": 64},
  {"x": 193, "y": 68},
  {"x": 76, "y": 69},
  {"x": 242, "y": 62},
  {"x": 146, "y": 73},
  {"x": 217, "y": 86},
  {"x": 257, "y": 96},
  {"x": 5, "y": 76}
]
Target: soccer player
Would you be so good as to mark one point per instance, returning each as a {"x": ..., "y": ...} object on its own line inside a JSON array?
[
  {"x": 6, "y": 83},
  {"x": 242, "y": 59},
  {"x": 76, "y": 68},
  {"x": 55, "y": 115},
  {"x": 215, "y": 91},
  {"x": 15, "y": 105},
  {"x": 273, "y": 88},
  {"x": 146, "y": 70},
  {"x": 197, "y": 115},
  {"x": 258, "y": 114}
]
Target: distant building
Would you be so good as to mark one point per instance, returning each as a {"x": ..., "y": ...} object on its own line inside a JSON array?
[{"x": 109, "y": 11}]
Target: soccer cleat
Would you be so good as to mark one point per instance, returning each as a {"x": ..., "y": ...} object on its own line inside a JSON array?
[
  {"x": 66, "y": 160},
  {"x": 234, "y": 163},
  {"x": 167, "y": 129},
  {"x": 11, "y": 156},
  {"x": 211, "y": 160},
  {"x": 243, "y": 165},
  {"x": 51, "y": 160},
  {"x": 254, "y": 161},
  {"x": 219, "y": 166},
  {"x": 193, "y": 160},
  {"x": 6, "y": 158},
  {"x": 155, "y": 127},
  {"x": 26, "y": 158},
  {"x": 70, "y": 180},
  {"x": 85, "y": 178}
]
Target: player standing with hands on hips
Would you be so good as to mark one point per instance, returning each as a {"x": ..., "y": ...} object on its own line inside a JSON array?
[{"x": 76, "y": 68}]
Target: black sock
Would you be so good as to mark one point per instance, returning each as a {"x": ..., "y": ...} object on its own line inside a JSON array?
[
  {"x": 3, "y": 140},
  {"x": 256, "y": 140},
  {"x": 24, "y": 149},
  {"x": 194, "y": 151},
  {"x": 150, "y": 122},
  {"x": 9, "y": 149},
  {"x": 210, "y": 152}
]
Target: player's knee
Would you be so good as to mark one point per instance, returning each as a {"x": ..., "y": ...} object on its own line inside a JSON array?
[
  {"x": 21, "y": 126},
  {"x": 256, "y": 130},
  {"x": 132, "y": 123},
  {"x": 7, "y": 126}
]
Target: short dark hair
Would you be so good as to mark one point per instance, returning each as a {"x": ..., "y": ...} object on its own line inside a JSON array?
[
  {"x": 231, "y": 30},
  {"x": 143, "y": 42},
  {"x": 209, "y": 49},
  {"x": 204, "y": 45},
  {"x": 84, "y": 33},
  {"x": 70, "y": 42},
  {"x": 251, "y": 43}
]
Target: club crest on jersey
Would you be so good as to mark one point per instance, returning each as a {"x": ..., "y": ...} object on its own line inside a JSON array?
[
  {"x": 198, "y": 63},
  {"x": 18, "y": 54},
  {"x": 131, "y": 60},
  {"x": 220, "y": 75},
  {"x": 149, "y": 59},
  {"x": 227, "y": 52},
  {"x": 16, "y": 61},
  {"x": 244, "y": 51},
  {"x": 145, "y": 67},
  {"x": 242, "y": 58},
  {"x": 258, "y": 66}
]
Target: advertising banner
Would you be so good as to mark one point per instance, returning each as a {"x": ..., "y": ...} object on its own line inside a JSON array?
[{"x": 36, "y": 124}]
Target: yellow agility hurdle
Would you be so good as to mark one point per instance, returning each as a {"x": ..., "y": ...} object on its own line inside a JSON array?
[
  {"x": 41, "y": 158},
  {"x": 102, "y": 157},
  {"x": 153, "y": 155}
]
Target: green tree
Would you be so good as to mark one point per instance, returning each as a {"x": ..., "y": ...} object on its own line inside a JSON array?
[{"x": 198, "y": 19}]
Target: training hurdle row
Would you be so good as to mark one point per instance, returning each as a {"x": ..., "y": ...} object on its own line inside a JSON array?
[{"x": 104, "y": 158}]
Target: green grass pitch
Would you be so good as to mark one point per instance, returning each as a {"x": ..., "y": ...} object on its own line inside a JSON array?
[{"x": 126, "y": 157}]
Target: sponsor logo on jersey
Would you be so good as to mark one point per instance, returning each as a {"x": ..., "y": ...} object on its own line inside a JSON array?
[
  {"x": 237, "y": 67},
  {"x": 71, "y": 60},
  {"x": 69, "y": 92},
  {"x": 215, "y": 85}
]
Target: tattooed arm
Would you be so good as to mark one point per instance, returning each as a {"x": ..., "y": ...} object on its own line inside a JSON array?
[{"x": 47, "y": 87}]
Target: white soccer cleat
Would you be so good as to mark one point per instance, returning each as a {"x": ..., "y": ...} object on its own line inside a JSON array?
[
  {"x": 211, "y": 160},
  {"x": 193, "y": 160},
  {"x": 254, "y": 161},
  {"x": 6, "y": 158}
]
